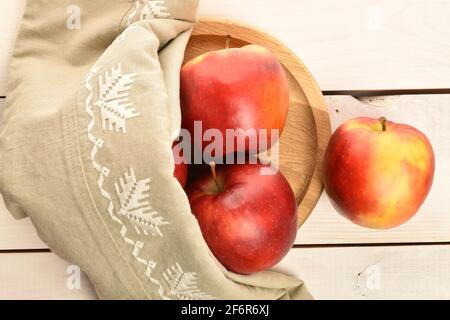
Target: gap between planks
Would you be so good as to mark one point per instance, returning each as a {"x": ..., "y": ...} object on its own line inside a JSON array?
[
  {"x": 295, "y": 246},
  {"x": 376, "y": 92},
  {"x": 393, "y": 92}
]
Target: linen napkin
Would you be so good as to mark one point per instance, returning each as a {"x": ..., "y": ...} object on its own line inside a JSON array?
[{"x": 85, "y": 150}]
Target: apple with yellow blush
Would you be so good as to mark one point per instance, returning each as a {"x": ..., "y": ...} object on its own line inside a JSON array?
[{"x": 378, "y": 173}]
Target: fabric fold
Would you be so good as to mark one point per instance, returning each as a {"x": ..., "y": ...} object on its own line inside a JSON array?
[{"x": 87, "y": 134}]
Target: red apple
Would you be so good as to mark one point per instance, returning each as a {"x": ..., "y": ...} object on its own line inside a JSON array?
[
  {"x": 378, "y": 173},
  {"x": 248, "y": 220},
  {"x": 241, "y": 88},
  {"x": 181, "y": 167}
]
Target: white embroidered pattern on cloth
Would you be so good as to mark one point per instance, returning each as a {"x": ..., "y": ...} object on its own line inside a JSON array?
[
  {"x": 147, "y": 9},
  {"x": 133, "y": 194},
  {"x": 183, "y": 285},
  {"x": 113, "y": 99}
]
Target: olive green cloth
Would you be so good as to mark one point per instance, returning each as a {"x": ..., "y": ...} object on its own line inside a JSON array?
[{"x": 85, "y": 150}]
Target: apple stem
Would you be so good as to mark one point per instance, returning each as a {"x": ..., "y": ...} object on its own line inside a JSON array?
[
  {"x": 228, "y": 41},
  {"x": 383, "y": 123},
  {"x": 214, "y": 174}
]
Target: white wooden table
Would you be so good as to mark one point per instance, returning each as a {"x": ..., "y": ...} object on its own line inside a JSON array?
[{"x": 352, "y": 47}]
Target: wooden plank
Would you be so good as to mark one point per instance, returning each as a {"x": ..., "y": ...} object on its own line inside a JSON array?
[
  {"x": 430, "y": 113},
  {"x": 416, "y": 272},
  {"x": 405, "y": 272},
  {"x": 10, "y": 16},
  {"x": 356, "y": 44},
  {"x": 39, "y": 276},
  {"x": 17, "y": 234},
  {"x": 351, "y": 45}
]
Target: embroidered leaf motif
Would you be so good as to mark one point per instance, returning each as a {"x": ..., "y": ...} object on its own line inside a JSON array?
[
  {"x": 113, "y": 99},
  {"x": 148, "y": 9},
  {"x": 135, "y": 205},
  {"x": 154, "y": 9},
  {"x": 183, "y": 285}
]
